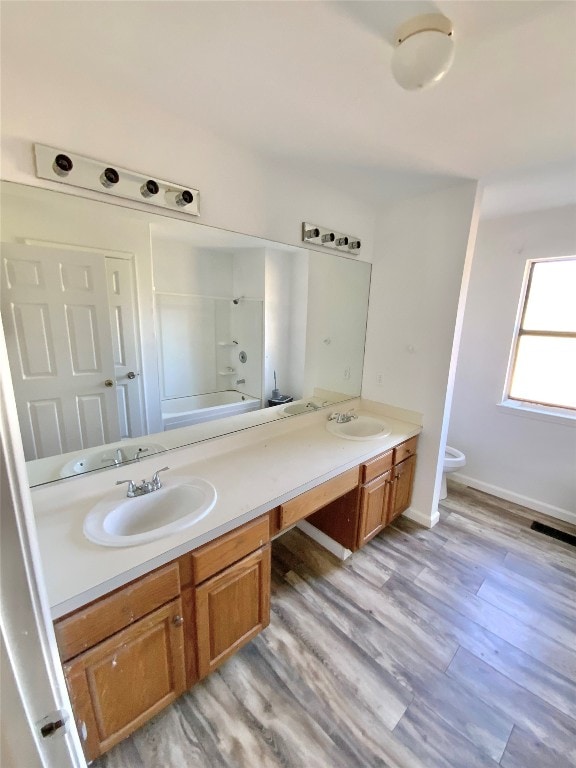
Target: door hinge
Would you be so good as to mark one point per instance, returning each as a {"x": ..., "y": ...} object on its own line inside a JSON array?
[{"x": 53, "y": 723}]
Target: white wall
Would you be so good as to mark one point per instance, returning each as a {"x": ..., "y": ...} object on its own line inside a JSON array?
[
  {"x": 285, "y": 324},
  {"x": 334, "y": 359},
  {"x": 179, "y": 267},
  {"x": 422, "y": 245},
  {"x": 525, "y": 459},
  {"x": 239, "y": 191}
]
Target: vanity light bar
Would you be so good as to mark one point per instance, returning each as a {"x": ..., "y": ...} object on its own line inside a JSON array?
[
  {"x": 329, "y": 238},
  {"x": 68, "y": 168}
]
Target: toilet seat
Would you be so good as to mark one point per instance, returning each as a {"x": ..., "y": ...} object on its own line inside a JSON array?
[{"x": 453, "y": 459}]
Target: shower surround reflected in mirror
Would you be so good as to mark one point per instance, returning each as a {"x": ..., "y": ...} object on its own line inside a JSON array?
[
  {"x": 209, "y": 357},
  {"x": 122, "y": 324}
]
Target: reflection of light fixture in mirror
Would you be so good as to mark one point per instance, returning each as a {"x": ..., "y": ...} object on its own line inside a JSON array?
[
  {"x": 329, "y": 238},
  {"x": 424, "y": 51}
]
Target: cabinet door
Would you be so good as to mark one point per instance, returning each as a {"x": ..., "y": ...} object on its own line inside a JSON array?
[
  {"x": 402, "y": 492},
  {"x": 232, "y": 608},
  {"x": 121, "y": 683},
  {"x": 374, "y": 502}
]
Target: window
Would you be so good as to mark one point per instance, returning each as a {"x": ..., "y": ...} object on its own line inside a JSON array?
[{"x": 543, "y": 369}]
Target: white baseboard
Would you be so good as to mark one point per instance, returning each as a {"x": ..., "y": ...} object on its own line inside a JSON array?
[
  {"x": 325, "y": 541},
  {"x": 516, "y": 498},
  {"x": 428, "y": 521}
]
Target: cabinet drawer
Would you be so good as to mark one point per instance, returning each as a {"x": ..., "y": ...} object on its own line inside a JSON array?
[
  {"x": 96, "y": 622},
  {"x": 227, "y": 549},
  {"x": 376, "y": 466},
  {"x": 404, "y": 450},
  {"x": 318, "y": 497}
]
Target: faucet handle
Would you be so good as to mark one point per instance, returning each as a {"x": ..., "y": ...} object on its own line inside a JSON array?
[
  {"x": 131, "y": 486},
  {"x": 156, "y": 483}
]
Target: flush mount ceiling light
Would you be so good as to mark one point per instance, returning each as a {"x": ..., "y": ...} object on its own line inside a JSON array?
[{"x": 424, "y": 51}]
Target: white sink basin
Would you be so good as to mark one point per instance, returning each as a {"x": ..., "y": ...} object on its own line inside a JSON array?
[
  {"x": 118, "y": 521},
  {"x": 361, "y": 428}
]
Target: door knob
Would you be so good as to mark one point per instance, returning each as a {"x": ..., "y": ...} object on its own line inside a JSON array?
[
  {"x": 131, "y": 375},
  {"x": 178, "y": 621},
  {"x": 108, "y": 383}
]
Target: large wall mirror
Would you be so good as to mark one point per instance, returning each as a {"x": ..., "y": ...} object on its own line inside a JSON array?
[{"x": 130, "y": 332}]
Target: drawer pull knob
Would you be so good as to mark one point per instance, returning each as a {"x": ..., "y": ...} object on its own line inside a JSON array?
[{"x": 177, "y": 621}]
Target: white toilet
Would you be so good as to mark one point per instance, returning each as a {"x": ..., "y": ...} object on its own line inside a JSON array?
[{"x": 453, "y": 460}]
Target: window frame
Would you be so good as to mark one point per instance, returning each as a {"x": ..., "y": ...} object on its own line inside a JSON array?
[{"x": 517, "y": 404}]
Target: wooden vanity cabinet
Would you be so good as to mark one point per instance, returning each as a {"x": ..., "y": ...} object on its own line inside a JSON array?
[
  {"x": 316, "y": 498},
  {"x": 232, "y": 592},
  {"x": 374, "y": 504},
  {"x": 402, "y": 484},
  {"x": 232, "y": 608},
  {"x": 387, "y": 488},
  {"x": 134, "y": 662},
  {"x": 129, "y": 654},
  {"x": 384, "y": 493},
  {"x": 122, "y": 682}
]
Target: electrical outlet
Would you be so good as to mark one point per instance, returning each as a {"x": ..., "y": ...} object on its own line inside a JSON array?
[
  {"x": 380, "y": 380},
  {"x": 347, "y": 372}
]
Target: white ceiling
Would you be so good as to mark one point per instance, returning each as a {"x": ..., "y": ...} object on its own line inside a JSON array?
[{"x": 309, "y": 82}]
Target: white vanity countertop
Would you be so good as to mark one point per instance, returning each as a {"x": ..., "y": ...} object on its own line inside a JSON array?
[{"x": 252, "y": 471}]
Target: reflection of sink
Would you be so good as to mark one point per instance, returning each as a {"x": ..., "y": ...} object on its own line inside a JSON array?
[
  {"x": 300, "y": 408},
  {"x": 362, "y": 428},
  {"x": 98, "y": 458},
  {"x": 306, "y": 406},
  {"x": 117, "y": 521}
]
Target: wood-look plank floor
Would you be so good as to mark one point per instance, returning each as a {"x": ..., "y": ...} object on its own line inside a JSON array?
[{"x": 452, "y": 648}]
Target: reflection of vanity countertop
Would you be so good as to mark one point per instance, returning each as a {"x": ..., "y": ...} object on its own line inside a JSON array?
[{"x": 252, "y": 471}]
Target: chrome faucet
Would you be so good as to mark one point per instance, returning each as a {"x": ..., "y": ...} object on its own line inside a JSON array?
[
  {"x": 342, "y": 418},
  {"x": 147, "y": 486}
]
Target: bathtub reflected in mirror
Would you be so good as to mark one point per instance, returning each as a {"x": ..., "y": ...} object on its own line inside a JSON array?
[{"x": 196, "y": 409}]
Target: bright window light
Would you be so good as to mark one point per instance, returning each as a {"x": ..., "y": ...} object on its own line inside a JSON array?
[{"x": 544, "y": 362}]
